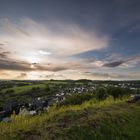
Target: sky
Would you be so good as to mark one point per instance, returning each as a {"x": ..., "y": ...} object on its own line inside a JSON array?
[{"x": 70, "y": 39}]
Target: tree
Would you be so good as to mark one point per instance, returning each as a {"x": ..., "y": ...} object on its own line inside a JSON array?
[
  {"x": 117, "y": 92},
  {"x": 101, "y": 94}
]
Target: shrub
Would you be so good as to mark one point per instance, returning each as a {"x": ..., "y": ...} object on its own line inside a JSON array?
[
  {"x": 9, "y": 91},
  {"x": 117, "y": 92},
  {"x": 77, "y": 99},
  {"x": 101, "y": 94}
]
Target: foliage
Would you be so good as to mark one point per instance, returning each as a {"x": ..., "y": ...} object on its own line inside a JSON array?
[
  {"x": 76, "y": 99},
  {"x": 101, "y": 94},
  {"x": 93, "y": 120},
  {"x": 118, "y": 92}
]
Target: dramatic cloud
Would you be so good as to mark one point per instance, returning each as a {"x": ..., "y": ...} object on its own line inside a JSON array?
[
  {"x": 124, "y": 63},
  {"x": 112, "y": 76},
  {"x": 36, "y": 37},
  {"x": 4, "y": 54},
  {"x": 22, "y": 76},
  {"x": 91, "y": 40},
  {"x": 44, "y": 52},
  {"x": 1, "y": 45},
  {"x": 14, "y": 65},
  {"x": 114, "y": 64},
  {"x": 29, "y": 46}
]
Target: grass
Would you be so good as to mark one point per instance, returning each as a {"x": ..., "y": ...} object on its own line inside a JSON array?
[
  {"x": 21, "y": 89},
  {"x": 109, "y": 119},
  {"x": 58, "y": 82}
]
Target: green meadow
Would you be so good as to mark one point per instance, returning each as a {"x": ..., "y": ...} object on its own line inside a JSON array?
[{"x": 21, "y": 89}]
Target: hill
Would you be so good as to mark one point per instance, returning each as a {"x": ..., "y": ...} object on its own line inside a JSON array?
[{"x": 92, "y": 120}]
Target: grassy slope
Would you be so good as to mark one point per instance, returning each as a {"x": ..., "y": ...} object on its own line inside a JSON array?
[
  {"x": 92, "y": 120},
  {"x": 21, "y": 89}
]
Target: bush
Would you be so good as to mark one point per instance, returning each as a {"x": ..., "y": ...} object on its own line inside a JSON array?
[
  {"x": 9, "y": 91},
  {"x": 101, "y": 94},
  {"x": 117, "y": 92},
  {"x": 35, "y": 88},
  {"x": 77, "y": 99}
]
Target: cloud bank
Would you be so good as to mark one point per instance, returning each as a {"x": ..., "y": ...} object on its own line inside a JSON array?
[{"x": 28, "y": 48}]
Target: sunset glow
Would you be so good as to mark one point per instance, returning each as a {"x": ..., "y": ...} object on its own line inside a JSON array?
[{"x": 64, "y": 43}]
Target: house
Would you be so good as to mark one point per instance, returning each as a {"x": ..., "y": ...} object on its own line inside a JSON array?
[
  {"x": 24, "y": 112},
  {"x": 38, "y": 104},
  {"x": 32, "y": 112}
]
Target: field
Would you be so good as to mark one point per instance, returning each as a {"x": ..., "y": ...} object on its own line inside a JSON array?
[
  {"x": 19, "y": 90},
  {"x": 23, "y": 89}
]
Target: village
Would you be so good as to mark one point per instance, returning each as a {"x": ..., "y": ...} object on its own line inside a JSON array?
[{"x": 40, "y": 104}]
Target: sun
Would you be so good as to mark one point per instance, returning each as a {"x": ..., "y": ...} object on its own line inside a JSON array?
[{"x": 32, "y": 66}]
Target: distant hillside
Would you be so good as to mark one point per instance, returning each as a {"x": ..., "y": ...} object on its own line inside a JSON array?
[{"x": 92, "y": 120}]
